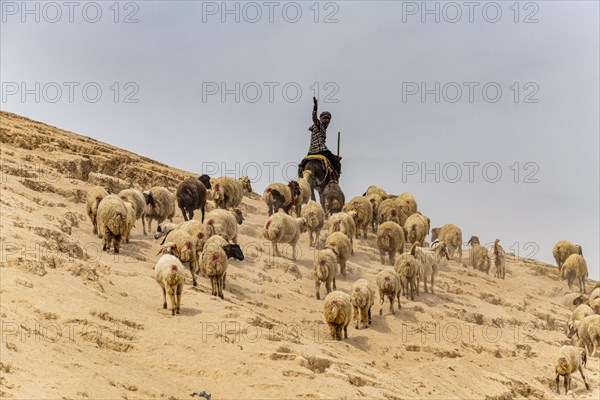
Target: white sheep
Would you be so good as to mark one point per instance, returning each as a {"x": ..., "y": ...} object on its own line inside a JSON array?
[
  {"x": 575, "y": 268},
  {"x": 112, "y": 219},
  {"x": 595, "y": 293},
  {"x": 572, "y": 300},
  {"x": 429, "y": 261},
  {"x": 282, "y": 228},
  {"x": 345, "y": 223},
  {"x": 325, "y": 268},
  {"x": 227, "y": 192},
  {"x": 169, "y": 274},
  {"x": 416, "y": 228},
  {"x": 407, "y": 202},
  {"x": 364, "y": 213},
  {"x": 579, "y": 313},
  {"x": 588, "y": 331},
  {"x": 223, "y": 223},
  {"x": 232, "y": 250},
  {"x": 389, "y": 210},
  {"x": 562, "y": 250},
  {"x": 570, "y": 359},
  {"x": 362, "y": 297},
  {"x": 479, "y": 256},
  {"x": 137, "y": 200},
  {"x": 407, "y": 267},
  {"x": 214, "y": 261},
  {"x": 451, "y": 235},
  {"x": 94, "y": 197},
  {"x": 390, "y": 240},
  {"x": 315, "y": 218},
  {"x": 376, "y": 190},
  {"x": 497, "y": 257},
  {"x": 186, "y": 250},
  {"x": 388, "y": 283},
  {"x": 131, "y": 217},
  {"x": 340, "y": 244},
  {"x": 160, "y": 205},
  {"x": 305, "y": 191},
  {"x": 337, "y": 309}
]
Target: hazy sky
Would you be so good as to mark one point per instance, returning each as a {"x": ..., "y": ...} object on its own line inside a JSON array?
[{"x": 486, "y": 111}]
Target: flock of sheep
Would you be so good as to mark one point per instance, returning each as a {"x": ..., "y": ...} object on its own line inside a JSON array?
[{"x": 206, "y": 245}]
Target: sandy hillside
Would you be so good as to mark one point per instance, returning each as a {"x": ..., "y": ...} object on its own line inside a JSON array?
[{"x": 80, "y": 323}]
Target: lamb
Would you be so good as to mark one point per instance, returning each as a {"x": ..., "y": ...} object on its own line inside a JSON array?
[
  {"x": 170, "y": 275},
  {"x": 570, "y": 359},
  {"x": 572, "y": 300},
  {"x": 452, "y": 236},
  {"x": 375, "y": 199},
  {"x": 562, "y": 250},
  {"x": 364, "y": 213},
  {"x": 332, "y": 198},
  {"x": 416, "y": 228},
  {"x": 497, "y": 257},
  {"x": 429, "y": 260},
  {"x": 325, "y": 268},
  {"x": 337, "y": 308},
  {"x": 282, "y": 228},
  {"x": 344, "y": 222},
  {"x": 390, "y": 239},
  {"x": 94, "y": 197},
  {"x": 186, "y": 250},
  {"x": 136, "y": 198},
  {"x": 223, "y": 223},
  {"x": 390, "y": 211},
  {"x": 588, "y": 331},
  {"x": 160, "y": 205},
  {"x": 376, "y": 190},
  {"x": 362, "y": 297},
  {"x": 232, "y": 250},
  {"x": 191, "y": 195},
  {"x": 112, "y": 219},
  {"x": 315, "y": 218},
  {"x": 305, "y": 192},
  {"x": 279, "y": 195},
  {"x": 407, "y": 202},
  {"x": 388, "y": 283},
  {"x": 340, "y": 244},
  {"x": 407, "y": 267},
  {"x": 479, "y": 256},
  {"x": 227, "y": 192},
  {"x": 575, "y": 268},
  {"x": 214, "y": 262}
]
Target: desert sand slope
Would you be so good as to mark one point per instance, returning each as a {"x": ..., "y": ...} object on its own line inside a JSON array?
[{"x": 79, "y": 323}]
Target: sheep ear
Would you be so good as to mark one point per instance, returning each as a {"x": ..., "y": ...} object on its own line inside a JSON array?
[
  {"x": 161, "y": 251},
  {"x": 577, "y": 301},
  {"x": 175, "y": 251}
]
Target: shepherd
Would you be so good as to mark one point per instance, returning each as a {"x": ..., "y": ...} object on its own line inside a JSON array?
[{"x": 325, "y": 165}]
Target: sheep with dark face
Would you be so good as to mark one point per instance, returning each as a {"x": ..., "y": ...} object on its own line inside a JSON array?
[
  {"x": 191, "y": 195},
  {"x": 214, "y": 261},
  {"x": 160, "y": 205},
  {"x": 281, "y": 196}
]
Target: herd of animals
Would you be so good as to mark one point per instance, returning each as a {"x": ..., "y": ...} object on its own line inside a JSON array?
[{"x": 206, "y": 245}]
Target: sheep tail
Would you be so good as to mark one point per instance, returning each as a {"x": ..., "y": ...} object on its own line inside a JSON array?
[
  {"x": 322, "y": 269},
  {"x": 361, "y": 299}
]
